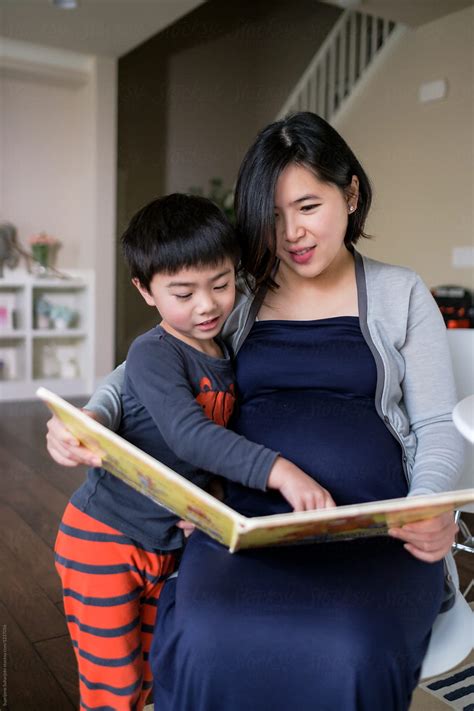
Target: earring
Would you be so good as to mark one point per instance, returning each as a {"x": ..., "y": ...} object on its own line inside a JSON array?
[{"x": 351, "y": 208}]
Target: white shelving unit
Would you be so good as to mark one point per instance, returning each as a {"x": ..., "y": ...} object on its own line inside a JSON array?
[{"x": 55, "y": 351}]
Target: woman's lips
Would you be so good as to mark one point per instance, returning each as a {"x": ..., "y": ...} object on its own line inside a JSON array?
[{"x": 302, "y": 256}]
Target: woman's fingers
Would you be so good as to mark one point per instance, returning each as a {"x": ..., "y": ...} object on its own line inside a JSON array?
[
  {"x": 66, "y": 449},
  {"x": 428, "y": 540}
]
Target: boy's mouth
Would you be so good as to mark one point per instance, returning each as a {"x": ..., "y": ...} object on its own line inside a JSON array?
[{"x": 209, "y": 324}]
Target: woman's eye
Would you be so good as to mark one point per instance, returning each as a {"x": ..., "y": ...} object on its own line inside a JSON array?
[
  {"x": 308, "y": 208},
  {"x": 183, "y": 296},
  {"x": 221, "y": 287}
]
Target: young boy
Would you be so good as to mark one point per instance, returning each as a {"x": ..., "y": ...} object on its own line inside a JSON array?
[{"x": 115, "y": 548}]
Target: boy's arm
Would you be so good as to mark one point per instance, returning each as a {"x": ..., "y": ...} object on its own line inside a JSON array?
[
  {"x": 158, "y": 377},
  {"x": 273, "y": 471}
]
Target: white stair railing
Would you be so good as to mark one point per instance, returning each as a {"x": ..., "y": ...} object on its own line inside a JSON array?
[{"x": 342, "y": 60}]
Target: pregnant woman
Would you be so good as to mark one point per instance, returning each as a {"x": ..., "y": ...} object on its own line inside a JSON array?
[{"x": 342, "y": 365}]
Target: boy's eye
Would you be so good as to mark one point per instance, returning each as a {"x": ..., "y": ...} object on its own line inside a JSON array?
[
  {"x": 221, "y": 287},
  {"x": 182, "y": 296}
]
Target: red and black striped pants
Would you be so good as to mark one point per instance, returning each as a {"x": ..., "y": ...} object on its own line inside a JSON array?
[{"x": 111, "y": 587}]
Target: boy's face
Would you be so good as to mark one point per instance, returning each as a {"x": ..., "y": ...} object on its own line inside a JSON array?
[{"x": 194, "y": 302}]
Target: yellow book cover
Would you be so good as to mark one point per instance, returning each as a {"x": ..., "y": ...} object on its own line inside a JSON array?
[{"x": 189, "y": 502}]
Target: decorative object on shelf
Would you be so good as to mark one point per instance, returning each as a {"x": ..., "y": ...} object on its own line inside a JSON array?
[
  {"x": 222, "y": 197},
  {"x": 42, "y": 313},
  {"x": 50, "y": 365},
  {"x": 63, "y": 317},
  {"x": 43, "y": 250},
  {"x": 8, "y": 364},
  {"x": 68, "y": 365},
  {"x": 49, "y": 315},
  {"x": 7, "y": 311},
  {"x": 9, "y": 252}
]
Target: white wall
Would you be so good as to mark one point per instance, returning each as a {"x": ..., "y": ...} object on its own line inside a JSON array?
[
  {"x": 57, "y": 158},
  {"x": 420, "y": 156}
]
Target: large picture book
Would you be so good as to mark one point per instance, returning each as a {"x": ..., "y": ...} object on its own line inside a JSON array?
[{"x": 169, "y": 489}]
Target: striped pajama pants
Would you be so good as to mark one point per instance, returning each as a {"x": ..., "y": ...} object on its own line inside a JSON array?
[{"x": 111, "y": 587}]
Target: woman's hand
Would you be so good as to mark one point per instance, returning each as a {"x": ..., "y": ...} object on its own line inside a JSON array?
[
  {"x": 428, "y": 540},
  {"x": 65, "y": 449},
  {"x": 299, "y": 489}
]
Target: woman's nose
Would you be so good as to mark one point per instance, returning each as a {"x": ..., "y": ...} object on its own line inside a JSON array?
[{"x": 293, "y": 231}]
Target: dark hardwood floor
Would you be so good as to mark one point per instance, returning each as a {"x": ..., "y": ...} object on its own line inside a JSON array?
[{"x": 40, "y": 668}]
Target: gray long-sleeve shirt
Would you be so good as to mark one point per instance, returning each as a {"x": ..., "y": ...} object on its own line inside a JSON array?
[{"x": 176, "y": 402}]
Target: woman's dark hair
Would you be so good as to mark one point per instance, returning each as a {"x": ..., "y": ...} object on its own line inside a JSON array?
[
  {"x": 177, "y": 232},
  {"x": 303, "y": 139}
]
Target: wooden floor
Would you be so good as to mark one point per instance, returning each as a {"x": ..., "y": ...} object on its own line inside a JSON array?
[{"x": 41, "y": 672}]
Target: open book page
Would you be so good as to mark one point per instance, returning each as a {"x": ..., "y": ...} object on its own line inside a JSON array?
[
  {"x": 170, "y": 489},
  {"x": 146, "y": 474},
  {"x": 347, "y": 522}
]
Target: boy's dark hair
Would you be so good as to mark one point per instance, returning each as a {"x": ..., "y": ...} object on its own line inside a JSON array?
[
  {"x": 303, "y": 139},
  {"x": 176, "y": 232}
]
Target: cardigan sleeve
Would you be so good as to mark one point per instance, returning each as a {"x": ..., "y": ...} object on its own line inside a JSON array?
[
  {"x": 106, "y": 401},
  {"x": 429, "y": 395}
]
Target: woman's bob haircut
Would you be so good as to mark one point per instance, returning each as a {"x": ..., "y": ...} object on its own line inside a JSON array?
[{"x": 303, "y": 139}]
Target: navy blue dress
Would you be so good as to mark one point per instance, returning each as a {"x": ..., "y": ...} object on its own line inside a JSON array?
[{"x": 312, "y": 627}]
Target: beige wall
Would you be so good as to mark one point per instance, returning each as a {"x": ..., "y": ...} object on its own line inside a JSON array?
[
  {"x": 58, "y": 165},
  {"x": 47, "y": 164},
  {"x": 191, "y": 101},
  {"x": 229, "y": 84},
  {"x": 420, "y": 156}
]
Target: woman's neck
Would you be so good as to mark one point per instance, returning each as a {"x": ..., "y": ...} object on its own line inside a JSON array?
[{"x": 331, "y": 293}]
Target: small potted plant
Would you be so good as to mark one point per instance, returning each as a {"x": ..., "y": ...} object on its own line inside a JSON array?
[{"x": 43, "y": 249}]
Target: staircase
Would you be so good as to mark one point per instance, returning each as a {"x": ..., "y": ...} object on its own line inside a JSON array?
[{"x": 350, "y": 52}]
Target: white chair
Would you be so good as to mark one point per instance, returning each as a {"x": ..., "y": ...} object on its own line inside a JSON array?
[
  {"x": 453, "y": 631},
  {"x": 451, "y": 639},
  {"x": 463, "y": 418}
]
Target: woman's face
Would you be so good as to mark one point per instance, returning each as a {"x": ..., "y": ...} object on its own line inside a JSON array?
[{"x": 310, "y": 221}]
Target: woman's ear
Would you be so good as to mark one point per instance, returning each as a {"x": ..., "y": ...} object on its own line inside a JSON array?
[
  {"x": 144, "y": 292},
  {"x": 352, "y": 193}
]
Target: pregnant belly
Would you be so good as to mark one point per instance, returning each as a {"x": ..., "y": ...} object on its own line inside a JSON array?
[{"x": 340, "y": 441}]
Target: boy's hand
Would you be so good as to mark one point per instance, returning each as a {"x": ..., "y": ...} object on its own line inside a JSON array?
[
  {"x": 299, "y": 489},
  {"x": 65, "y": 449},
  {"x": 187, "y": 527}
]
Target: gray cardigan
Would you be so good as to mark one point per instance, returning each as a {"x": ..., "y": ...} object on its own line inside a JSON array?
[{"x": 415, "y": 392}]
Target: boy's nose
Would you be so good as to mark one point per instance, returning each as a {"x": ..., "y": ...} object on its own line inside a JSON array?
[{"x": 206, "y": 303}]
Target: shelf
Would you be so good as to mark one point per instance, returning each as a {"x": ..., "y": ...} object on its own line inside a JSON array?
[
  {"x": 60, "y": 358},
  {"x": 12, "y": 335},
  {"x": 53, "y": 333},
  {"x": 11, "y": 285},
  {"x": 62, "y": 386},
  {"x": 58, "y": 285}
]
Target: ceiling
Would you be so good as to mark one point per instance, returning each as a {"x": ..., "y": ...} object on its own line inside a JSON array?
[
  {"x": 409, "y": 12},
  {"x": 104, "y": 27},
  {"x": 114, "y": 27}
]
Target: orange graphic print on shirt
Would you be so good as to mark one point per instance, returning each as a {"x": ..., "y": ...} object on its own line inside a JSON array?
[{"x": 217, "y": 405}]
